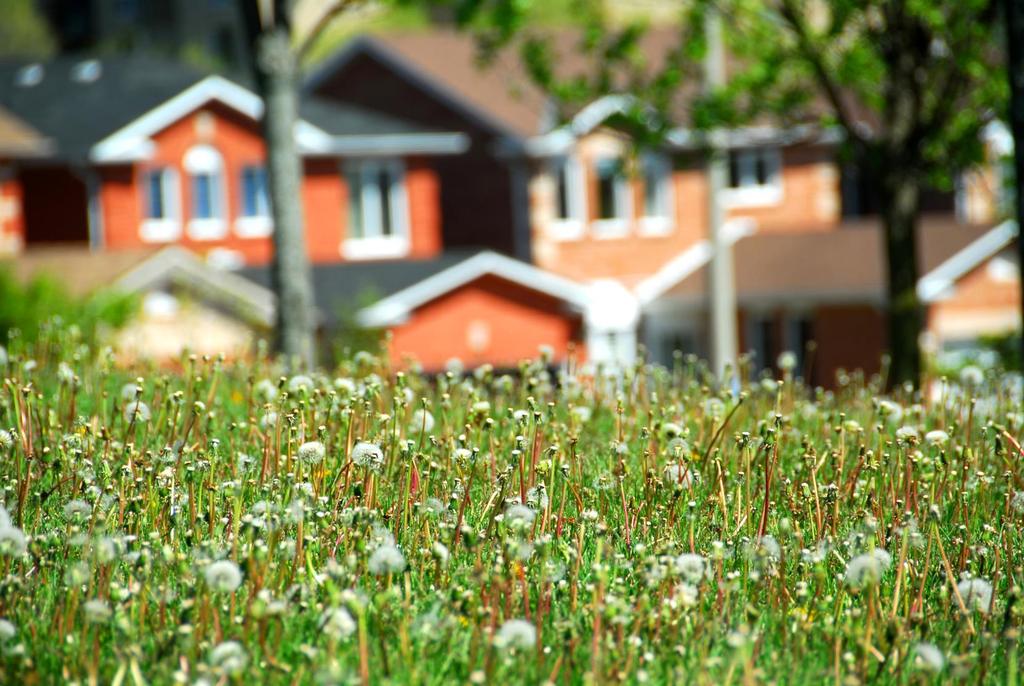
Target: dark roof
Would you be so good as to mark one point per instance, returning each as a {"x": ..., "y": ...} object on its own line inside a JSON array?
[
  {"x": 501, "y": 90},
  {"x": 340, "y": 119},
  {"x": 847, "y": 263},
  {"x": 77, "y": 113},
  {"x": 345, "y": 288}
]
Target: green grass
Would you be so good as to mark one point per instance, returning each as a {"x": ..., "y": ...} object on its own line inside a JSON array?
[{"x": 546, "y": 527}]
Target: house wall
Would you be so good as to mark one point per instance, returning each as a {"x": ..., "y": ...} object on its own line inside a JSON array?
[
  {"x": 488, "y": 320},
  {"x": 238, "y": 140},
  {"x": 168, "y": 325},
  {"x": 810, "y": 202},
  {"x": 12, "y": 220},
  {"x": 985, "y": 301},
  {"x": 476, "y": 190}
]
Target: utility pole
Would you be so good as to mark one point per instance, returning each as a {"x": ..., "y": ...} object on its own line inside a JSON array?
[
  {"x": 1014, "y": 20},
  {"x": 721, "y": 282}
]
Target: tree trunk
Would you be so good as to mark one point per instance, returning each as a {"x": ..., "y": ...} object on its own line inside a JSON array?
[
  {"x": 1014, "y": 18},
  {"x": 277, "y": 74},
  {"x": 900, "y": 204}
]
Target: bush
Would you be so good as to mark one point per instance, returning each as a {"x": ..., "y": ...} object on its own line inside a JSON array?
[{"x": 26, "y": 307}]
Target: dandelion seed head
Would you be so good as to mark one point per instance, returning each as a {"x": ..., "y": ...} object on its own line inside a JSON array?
[
  {"x": 867, "y": 569},
  {"x": 229, "y": 658},
  {"x": 136, "y": 411},
  {"x": 368, "y": 455},
  {"x": 6, "y": 439},
  {"x": 976, "y": 594},
  {"x": 421, "y": 421},
  {"x": 312, "y": 452},
  {"x": 936, "y": 437},
  {"x": 301, "y": 382},
  {"x": 692, "y": 567},
  {"x": 786, "y": 361},
  {"x": 96, "y": 611},
  {"x": 907, "y": 433},
  {"x": 386, "y": 559},
  {"x": 928, "y": 657},
  {"x": 338, "y": 623},
  {"x": 972, "y": 376},
  {"x": 519, "y": 516},
  {"x": 223, "y": 576},
  {"x": 7, "y": 630},
  {"x": 13, "y": 542},
  {"x": 516, "y": 634}
]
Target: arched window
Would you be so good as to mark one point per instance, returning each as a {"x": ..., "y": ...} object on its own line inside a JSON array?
[{"x": 205, "y": 169}]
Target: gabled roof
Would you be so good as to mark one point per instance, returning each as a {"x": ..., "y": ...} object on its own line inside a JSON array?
[
  {"x": 341, "y": 288},
  {"x": 445, "y": 64},
  {"x": 846, "y": 264},
  {"x": 501, "y": 96},
  {"x": 106, "y": 110}
]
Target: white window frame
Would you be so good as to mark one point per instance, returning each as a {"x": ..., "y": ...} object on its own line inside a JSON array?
[
  {"x": 205, "y": 159},
  {"x": 571, "y": 227},
  {"x": 167, "y": 228},
  {"x": 376, "y": 245},
  {"x": 618, "y": 226},
  {"x": 662, "y": 222},
  {"x": 750, "y": 193},
  {"x": 255, "y": 225}
]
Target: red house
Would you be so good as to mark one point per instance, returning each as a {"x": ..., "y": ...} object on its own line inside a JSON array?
[{"x": 150, "y": 153}]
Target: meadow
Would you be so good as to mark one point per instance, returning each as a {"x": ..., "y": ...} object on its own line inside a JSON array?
[{"x": 227, "y": 523}]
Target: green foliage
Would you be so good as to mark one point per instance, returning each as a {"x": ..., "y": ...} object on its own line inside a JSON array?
[
  {"x": 221, "y": 524},
  {"x": 24, "y": 31},
  {"x": 26, "y": 307},
  {"x": 1007, "y": 348}
]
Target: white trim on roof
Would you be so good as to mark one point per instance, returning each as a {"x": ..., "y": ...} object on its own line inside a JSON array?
[
  {"x": 753, "y": 136},
  {"x": 178, "y": 265},
  {"x": 689, "y": 261},
  {"x": 560, "y": 140},
  {"x": 396, "y": 308},
  {"x": 132, "y": 142},
  {"x": 391, "y": 144},
  {"x": 937, "y": 284}
]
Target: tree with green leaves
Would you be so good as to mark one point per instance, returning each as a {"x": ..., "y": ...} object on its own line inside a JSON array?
[
  {"x": 909, "y": 85},
  {"x": 24, "y": 31}
]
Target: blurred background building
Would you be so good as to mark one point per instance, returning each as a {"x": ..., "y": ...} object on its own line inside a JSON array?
[{"x": 446, "y": 204}]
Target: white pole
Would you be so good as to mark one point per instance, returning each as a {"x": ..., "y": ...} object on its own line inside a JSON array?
[{"x": 721, "y": 283}]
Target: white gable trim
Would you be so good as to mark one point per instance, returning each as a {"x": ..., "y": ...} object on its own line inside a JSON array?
[
  {"x": 396, "y": 308},
  {"x": 179, "y": 265},
  {"x": 689, "y": 261},
  {"x": 132, "y": 142},
  {"x": 937, "y": 284},
  {"x": 391, "y": 144}
]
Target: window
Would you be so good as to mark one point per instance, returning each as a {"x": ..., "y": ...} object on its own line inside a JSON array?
[
  {"x": 612, "y": 198},
  {"x": 161, "y": 221},
  {"x": 761, "y": 334},
  {"x": 799, "y": 335},
  {"x": 567, "y": 177},
  {"x": 205, "y": 169},
  {"x": 378, "y": 216},
  {"x": 254, "y": 220},
  {"x": 656, "y": 176},
  {"x": 754, "y": 177}
]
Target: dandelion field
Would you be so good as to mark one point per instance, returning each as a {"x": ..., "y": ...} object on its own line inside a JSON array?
[{"x": 226, "y": 524}]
